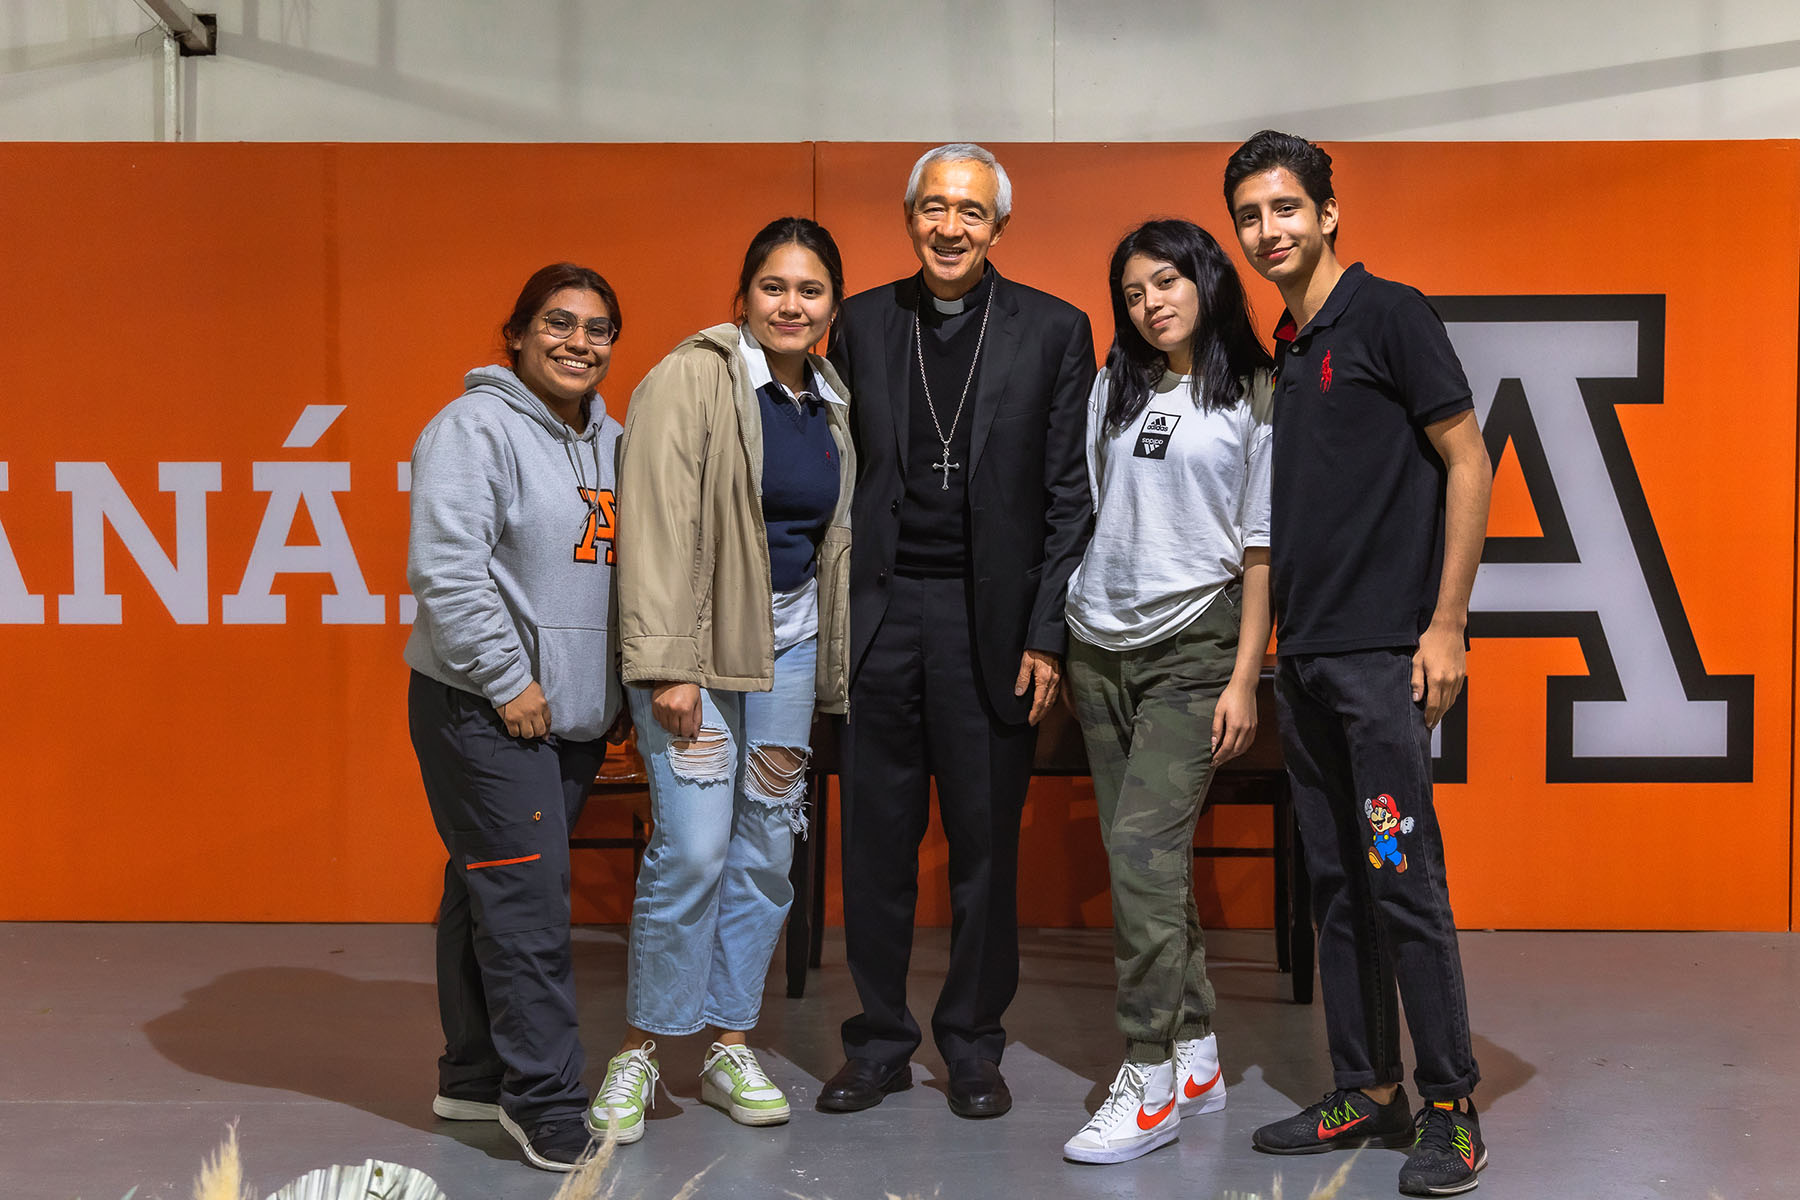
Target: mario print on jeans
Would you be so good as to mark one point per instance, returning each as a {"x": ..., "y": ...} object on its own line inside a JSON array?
[{"x": 1385, "y": 819}]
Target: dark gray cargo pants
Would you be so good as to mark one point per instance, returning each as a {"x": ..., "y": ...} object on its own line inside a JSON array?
[{"x": 506, "y": 985}]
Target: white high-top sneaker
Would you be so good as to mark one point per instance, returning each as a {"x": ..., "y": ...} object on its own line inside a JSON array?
[
  {"x": 1198, "y": 1077},
  {"x": 1140, "y": 1114}
]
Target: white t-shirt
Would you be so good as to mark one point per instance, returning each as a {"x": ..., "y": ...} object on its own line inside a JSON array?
[{"x": 1178, "y": 494}]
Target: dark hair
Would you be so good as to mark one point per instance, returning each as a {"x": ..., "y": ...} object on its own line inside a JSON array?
[
  {"x": 1267, "y": 150},
  {"x": 784, "y": 231},
  {"x": 1225, "y": 346},
  {"x": 545, "y": 283}
]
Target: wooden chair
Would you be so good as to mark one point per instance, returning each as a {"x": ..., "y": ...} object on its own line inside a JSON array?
[
  {"x": 1256, "y": 777},
  {"x": 621, "y": 774}
]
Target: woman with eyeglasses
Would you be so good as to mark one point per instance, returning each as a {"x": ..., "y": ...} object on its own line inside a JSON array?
[
  {"x": 733, "y": 601},
  {"x": 1170, "y": 615},
  {"x": 514, "y": 687}
]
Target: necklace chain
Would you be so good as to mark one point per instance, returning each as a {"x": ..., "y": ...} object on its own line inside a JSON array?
[{"x": 945, "y": 466}]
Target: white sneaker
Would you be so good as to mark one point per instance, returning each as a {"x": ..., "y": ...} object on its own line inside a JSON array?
[
  {"x": 628, "y": 1093},
  {"x": 1197, "y": 1073},
  {"x": 452, "y": 1109},
  {"x": 733, "y": 1080},
  {"x": 1139, "y": 1115}
]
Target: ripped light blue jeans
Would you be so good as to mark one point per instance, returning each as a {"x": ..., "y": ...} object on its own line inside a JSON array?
[{"x": 713, "y": 891}]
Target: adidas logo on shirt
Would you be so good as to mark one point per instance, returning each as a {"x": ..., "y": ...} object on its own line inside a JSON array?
[{"x": 1153, "y": 438}]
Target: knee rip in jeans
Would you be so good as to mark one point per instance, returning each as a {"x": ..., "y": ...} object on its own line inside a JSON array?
[
  {"x": 776, "y": 776},
  {"x": 702, "y": 759}
]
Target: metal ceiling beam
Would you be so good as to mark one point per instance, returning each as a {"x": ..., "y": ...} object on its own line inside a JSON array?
[{"x": 182, "y": 24}]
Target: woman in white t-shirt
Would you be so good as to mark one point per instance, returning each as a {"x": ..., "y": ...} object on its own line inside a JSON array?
[{"x": 1170, "y": 615}]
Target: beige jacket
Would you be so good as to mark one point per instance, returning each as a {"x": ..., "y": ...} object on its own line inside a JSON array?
[{"x": 693, "y": 555}]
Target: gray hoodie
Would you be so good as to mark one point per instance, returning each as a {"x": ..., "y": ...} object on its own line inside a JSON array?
[{"x": 513, "y": 579}]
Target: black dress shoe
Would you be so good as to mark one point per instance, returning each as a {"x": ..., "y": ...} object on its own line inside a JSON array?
[
  {"x": 977, "y": 1089},
  {"x": 861, "y": 1083}
]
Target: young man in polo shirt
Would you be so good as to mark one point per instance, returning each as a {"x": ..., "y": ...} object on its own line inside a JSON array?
[{"x": 1379, "y": 508}]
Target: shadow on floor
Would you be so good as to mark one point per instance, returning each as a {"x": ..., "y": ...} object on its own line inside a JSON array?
[
  {"x": 1300, "y": 1070},
  {"x": 1066, "y": 1014},
  {"x": 371, "y": 1044}
]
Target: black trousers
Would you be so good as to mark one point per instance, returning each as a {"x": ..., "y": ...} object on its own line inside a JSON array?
[
  {"x": 1359, "y": 757},
  {"x": 506, "y": 981},
  {"x": 918, "y": 712}
]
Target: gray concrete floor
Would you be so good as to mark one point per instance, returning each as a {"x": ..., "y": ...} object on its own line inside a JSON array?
[{"x": 1616, "y": 1066}]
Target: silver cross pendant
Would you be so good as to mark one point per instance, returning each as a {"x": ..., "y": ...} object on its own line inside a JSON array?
[{"x": 945, "y": 467}]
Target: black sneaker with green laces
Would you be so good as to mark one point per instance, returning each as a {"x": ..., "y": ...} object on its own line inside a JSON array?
[
  {"x": 1446, "y": 1154},
  {"x": 1343, "y": 1120}
]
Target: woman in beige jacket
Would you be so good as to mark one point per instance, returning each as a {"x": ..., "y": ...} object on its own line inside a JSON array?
[{"x": 733, "y": 564}]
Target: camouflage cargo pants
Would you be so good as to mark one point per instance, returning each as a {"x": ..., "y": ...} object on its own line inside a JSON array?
[{"x": 1146, "y": 718}]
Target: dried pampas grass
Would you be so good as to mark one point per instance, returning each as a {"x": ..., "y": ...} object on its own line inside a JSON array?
[
  {"x": 1331, "y": 1187},
  {"x": 693, "y": 1185},
  {"x": 222, "y": 1176},
  {"x": 588, "y": 1181},
  {"x": 1325, "y": 1190}
]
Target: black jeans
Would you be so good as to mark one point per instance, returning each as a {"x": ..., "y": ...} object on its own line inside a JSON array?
[
  {"x": 1359, "y": 756},
  {"x": 506, "y": 980}
]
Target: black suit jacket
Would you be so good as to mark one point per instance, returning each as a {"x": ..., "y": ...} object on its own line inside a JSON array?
[{"x": 1030, "y": 514}]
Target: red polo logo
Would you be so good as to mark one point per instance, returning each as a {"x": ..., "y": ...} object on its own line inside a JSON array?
[{"x": 1325, "y": 373}]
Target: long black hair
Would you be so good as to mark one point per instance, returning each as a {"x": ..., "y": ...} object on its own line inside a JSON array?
[{"x": 1226, "y": 351}]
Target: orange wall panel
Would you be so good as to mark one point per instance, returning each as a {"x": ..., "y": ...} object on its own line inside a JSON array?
[
  {"x": 205, "y": 769},
  {"x": 1715, "y": 460},
  {"x": 263, "y": 772}
]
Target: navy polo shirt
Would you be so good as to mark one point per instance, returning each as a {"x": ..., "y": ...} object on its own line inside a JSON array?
[{"x": 1356, "y": 514}]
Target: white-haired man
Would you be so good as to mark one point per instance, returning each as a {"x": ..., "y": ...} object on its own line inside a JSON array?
[{"x": 971, "y": 511}]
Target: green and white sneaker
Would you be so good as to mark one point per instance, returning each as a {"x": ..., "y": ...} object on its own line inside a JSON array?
[
  {"x": 733, "y": 1080},
  {"x": 628, "y": 1093}
]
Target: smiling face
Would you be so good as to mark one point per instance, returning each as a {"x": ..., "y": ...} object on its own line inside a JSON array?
[
  {"x": 789, "y": 304},
  {"x": 561, "y": 371},
  {"x": 1165, "y": 307},
  {"x": 1283, "y": 233},
  {"x": 953, "y": 222}
]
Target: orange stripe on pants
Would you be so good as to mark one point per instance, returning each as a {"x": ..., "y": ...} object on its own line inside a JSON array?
[{"x": 503, "y": 862}]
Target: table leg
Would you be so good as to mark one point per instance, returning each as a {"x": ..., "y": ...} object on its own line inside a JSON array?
[{"x": 799, "y": 924}]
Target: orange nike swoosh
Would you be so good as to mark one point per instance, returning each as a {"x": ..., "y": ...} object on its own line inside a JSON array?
[
  {"x": 1193, "y": 1091},
  {"x": 1148, "y": 1119},
  {"x": 1331, "y": 1133},
  {"x": 1468, "y": 1157}
]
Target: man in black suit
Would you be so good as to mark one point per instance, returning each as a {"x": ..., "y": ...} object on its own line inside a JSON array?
[{"x": 968, "y": 405}]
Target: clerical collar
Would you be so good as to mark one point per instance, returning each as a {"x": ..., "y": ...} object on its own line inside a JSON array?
[{"x": 969, "y": 299}]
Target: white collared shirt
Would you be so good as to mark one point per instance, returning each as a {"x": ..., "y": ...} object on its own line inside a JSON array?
[{"x": 756, "y": 363}]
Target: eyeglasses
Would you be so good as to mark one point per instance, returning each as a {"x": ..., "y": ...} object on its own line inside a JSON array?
[{"x": 561, "y": 326}]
